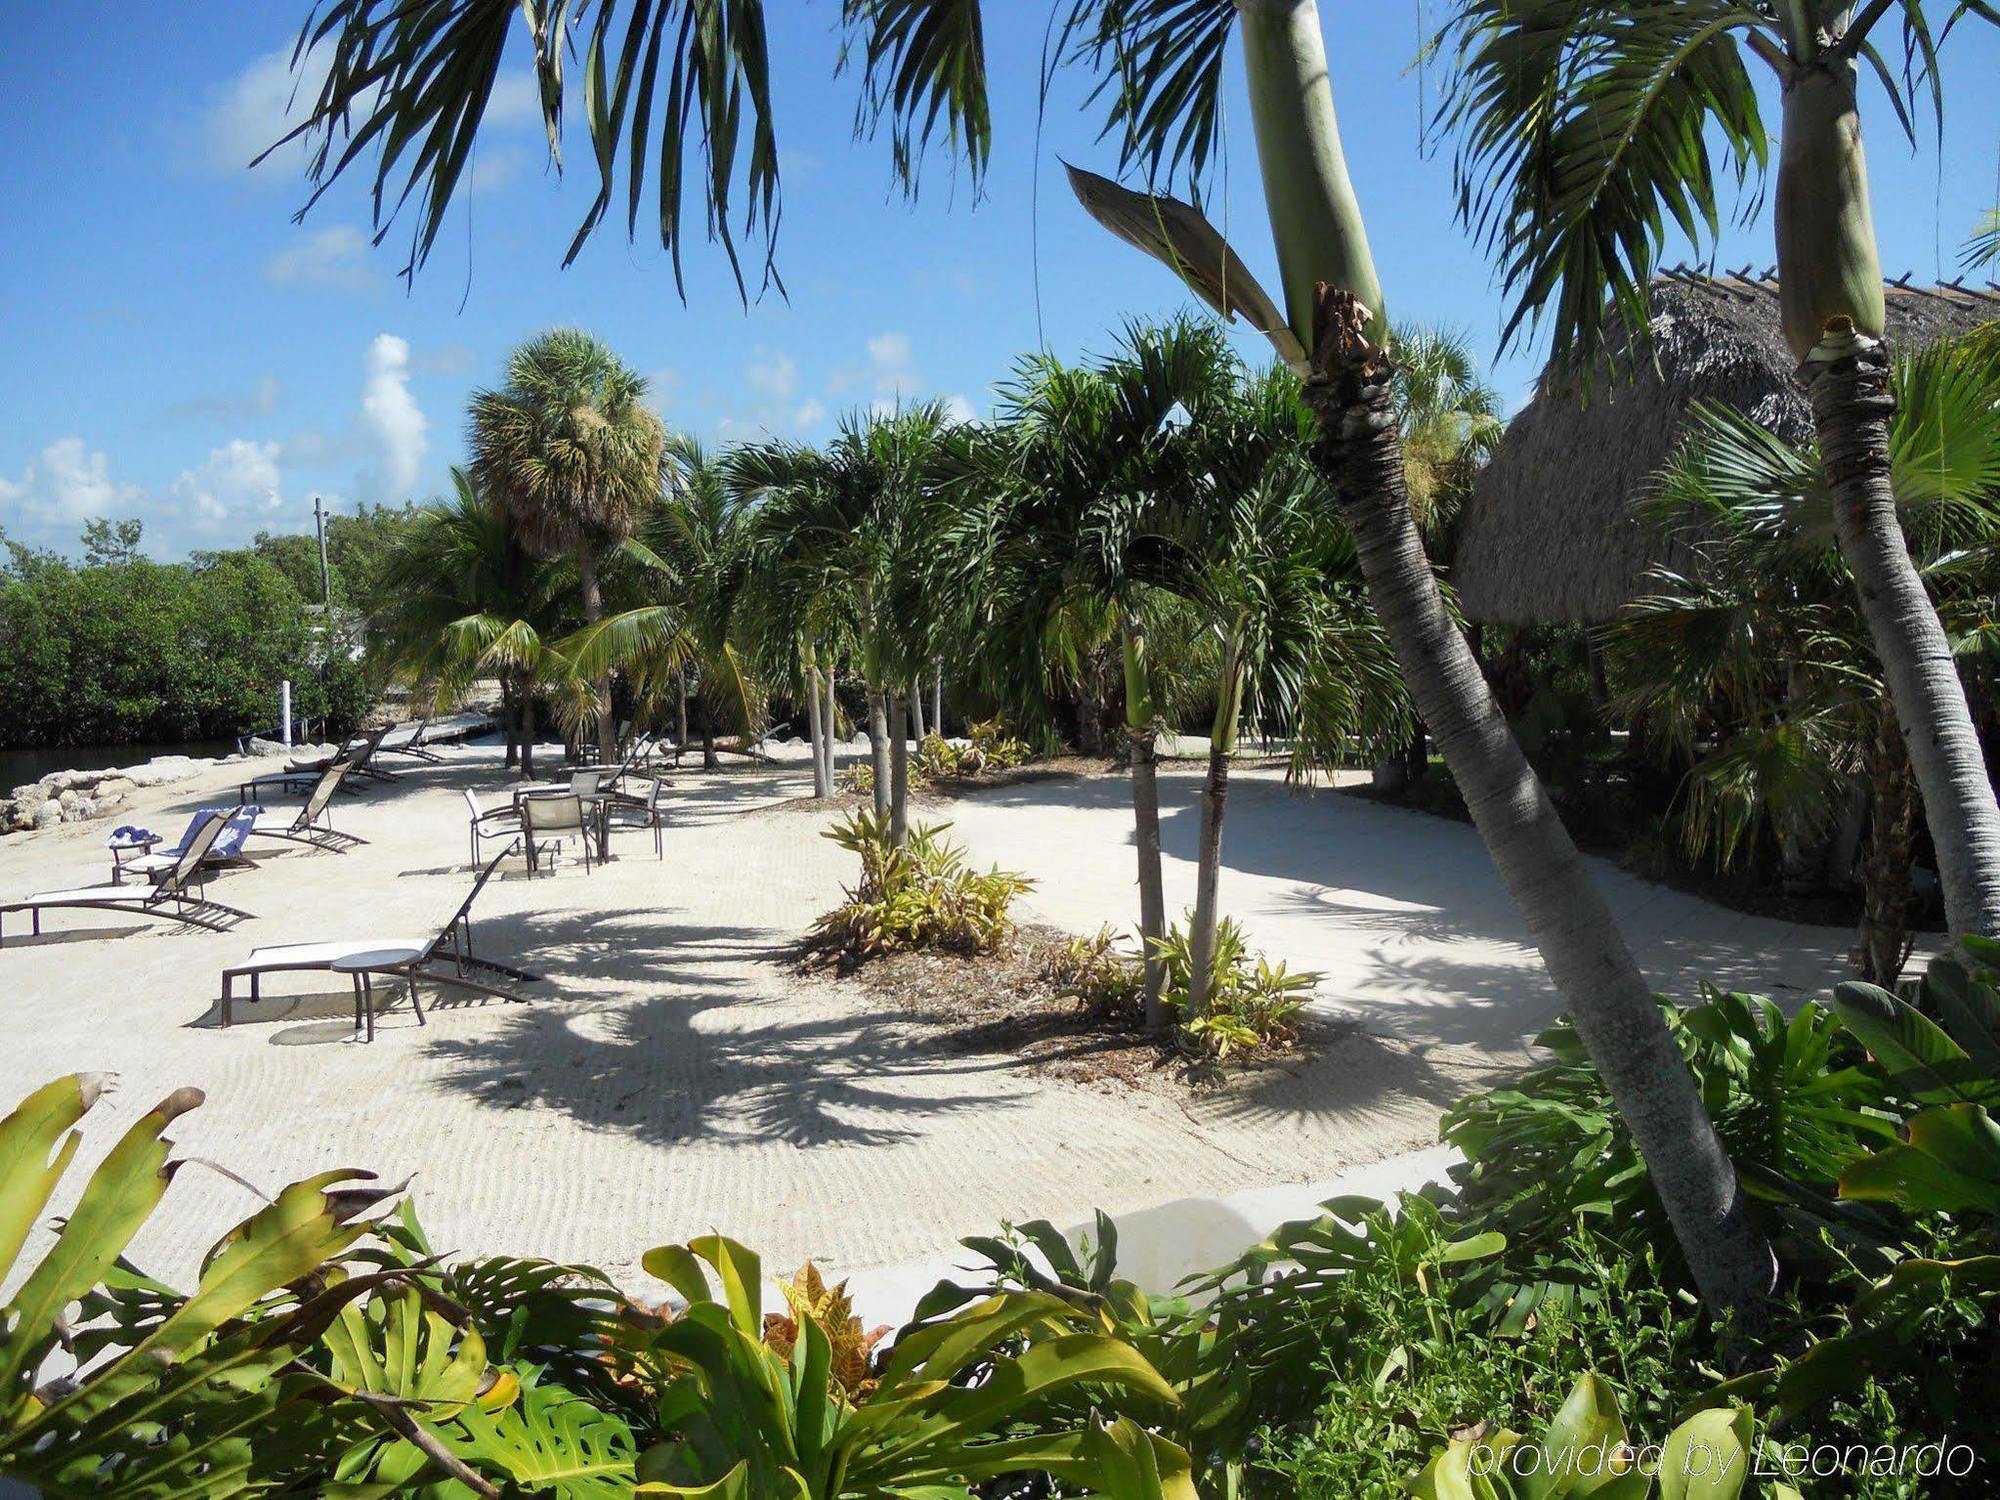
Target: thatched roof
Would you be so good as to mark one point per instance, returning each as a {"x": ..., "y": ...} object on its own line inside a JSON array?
[{"x": 1550, "y": 535}]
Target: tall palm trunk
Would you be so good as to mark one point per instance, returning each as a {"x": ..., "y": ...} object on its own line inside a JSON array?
[
  {"x": 816, "y": 727},
  {"x": 937, "y": 696},
  {"x": 1142, "y": 742},
  {"x": 1330, "y": 287},
  {"x": 528, "y": 733},
  {"x": 831, "y": 714},
  {"x": 510, "y": 725},
  {"x": 916, "y": 702},
  {"x": 878, "y": 749},
  {"x": 1829, "y": 270},
  {"x": 899, "y": 771},
  {"x": 1885, "y": 902},
  {"x": 1214, "y": 804},
  {"x": 593, "y": 611},
  {"x": 680, "y": 714}
]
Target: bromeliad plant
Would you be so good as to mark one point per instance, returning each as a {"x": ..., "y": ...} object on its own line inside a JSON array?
[
  {"x": 1251, "y": 1001},
  {"x": 920, "y": 894}
]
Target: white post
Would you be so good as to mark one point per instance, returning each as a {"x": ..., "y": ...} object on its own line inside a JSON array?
[{"x": 285, "y": 713}]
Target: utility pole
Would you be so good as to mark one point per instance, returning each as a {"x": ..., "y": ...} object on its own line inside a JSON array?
[{"x": 325, "y": 579}]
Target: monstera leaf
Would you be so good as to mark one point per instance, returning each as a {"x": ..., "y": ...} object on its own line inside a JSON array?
[{"x": 550, "y": 1442}]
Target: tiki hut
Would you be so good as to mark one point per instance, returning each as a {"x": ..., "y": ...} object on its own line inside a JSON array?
[{"x": 1551, "y": 535}]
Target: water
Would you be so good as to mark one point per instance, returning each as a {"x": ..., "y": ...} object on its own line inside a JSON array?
[{"x": 18, "y": 767}]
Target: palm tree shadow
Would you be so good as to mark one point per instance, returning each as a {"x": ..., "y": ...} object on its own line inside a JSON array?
[{"x": 693, "y": 1059}]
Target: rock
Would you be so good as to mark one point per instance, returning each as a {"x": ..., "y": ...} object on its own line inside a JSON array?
[
  {"x": 269, "y": 749},
  {"x": 48, "y": 815},
  {"x": 114, "y": 789}
]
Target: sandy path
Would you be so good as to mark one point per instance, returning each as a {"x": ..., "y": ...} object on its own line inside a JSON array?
[
  {"x": 668, "y": 1080},
  {"x": 1403, "y": 913}
]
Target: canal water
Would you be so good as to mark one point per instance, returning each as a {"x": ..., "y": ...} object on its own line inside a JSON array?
[{"x": 18, "y": 767}]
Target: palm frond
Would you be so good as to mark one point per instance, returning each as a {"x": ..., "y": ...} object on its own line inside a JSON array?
[{"x": 923, "y": 69}]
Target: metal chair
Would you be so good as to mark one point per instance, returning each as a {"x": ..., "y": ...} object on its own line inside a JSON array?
[
  {"x": 547, "y": 819},
  {"x": 642, "y": 812}
]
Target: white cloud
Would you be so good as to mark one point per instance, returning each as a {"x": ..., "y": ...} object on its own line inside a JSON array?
[
  {"x": 811, "y": 414},
  {"x": 516, "y": 100},
  {"x": 772, "y": 376},
  {"x": 239, "y": 477},
  {"x": 958, "y": 408},
  {"x": 890, "y": 351},
  {"x": 334, "y": 257},
  {"x": 254, "y": 110},
  {"x": 391, "y": 417},
  {"x": 68, "y": 483}
]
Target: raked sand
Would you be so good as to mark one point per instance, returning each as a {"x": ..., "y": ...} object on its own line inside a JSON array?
[{"x": 672, "y": 1077}]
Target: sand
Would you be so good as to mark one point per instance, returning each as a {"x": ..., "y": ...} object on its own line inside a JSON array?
[{"x": 672, "y": 1077}]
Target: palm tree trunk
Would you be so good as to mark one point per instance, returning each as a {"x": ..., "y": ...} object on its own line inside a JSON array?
[
  {"x": 1214, "y": 804},
  {"x": 1885, "y": 902},
  {"x": 710, "y": 761},
  {"x": 878, "y": 749},
  {"x": 832, "y": 717},
  {"x": 1360, "y": 453},
  {"x": 1142, "y": 733},
  {"x": 816, "y": 727},
  {"x": 593, "y": 611},
  {"x": 916, "y": 702},
  {"x": 681, "y": 715},
  {"x": 510, "y": 722},
  {"x": 1830, "y": 276},
  {"x": 528, "y": 733},
  {"x": 1330, "y": 287},
  {"x": 1851, "y": 406},
  {"x": 937, "y": 696},
  {"x": 899, "y": 772}
]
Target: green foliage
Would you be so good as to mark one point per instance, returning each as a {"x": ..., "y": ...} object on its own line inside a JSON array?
[
  {"x": 922, "y": 895},
  {"x": 129, "y": 650},
  {"x": 1252, "y": 1002},
  {"x": 1093, "y": 972}
]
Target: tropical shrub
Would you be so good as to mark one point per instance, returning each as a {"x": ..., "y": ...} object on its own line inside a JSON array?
[
  {"x": 921, "y": 895},
  {"x": 326, "y": 1351},
  {"x": 1093, "y": 972},
  {"x": 1251, "y": 1003}
]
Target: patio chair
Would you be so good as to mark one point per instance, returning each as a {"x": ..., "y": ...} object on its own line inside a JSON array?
[
  {"x": 442, "y": 958},
  {"x": 176, "y": 896},
  {"x": 553, "y": 818},
  {"x": 301, "y": 775},
  {"x": 408, "y": 739},
  {"x": 226, "y": 845},
  {"x": 627, "y": 811},
  {"x": 501, "y": 822},
  {"x": 314, "y": 824}
]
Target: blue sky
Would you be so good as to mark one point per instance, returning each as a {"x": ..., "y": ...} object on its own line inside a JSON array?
[{"x": 177, "y": 349}]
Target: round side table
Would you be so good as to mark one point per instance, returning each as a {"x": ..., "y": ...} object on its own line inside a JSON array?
[{"x": 362, "y": 969}]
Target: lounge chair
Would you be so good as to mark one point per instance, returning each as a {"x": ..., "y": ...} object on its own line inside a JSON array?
[
  {"x": 314, "y": 823},
  {"x": 442, "y": 959},
  {"x": 408, "y": 739},
  {"x": 492, "y": 823},
  {"x": 227, "y": 844},
  {"x": 300, "y": 775},
  {"x": 176, "y": 896}
]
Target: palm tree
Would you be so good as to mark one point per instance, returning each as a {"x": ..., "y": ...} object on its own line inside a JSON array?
[
  {"x": 839, "y": 538},
  {"x": 1587, "y": 128},
  {"x": 1074, "y": 481},
  {"x": 1761, "y": 645},
  {"x": 678, "y": 593},
  {"x": 416, "y": 84},
  {"x": 573, "y": 452},
  {"x": 457, "y": 599}
]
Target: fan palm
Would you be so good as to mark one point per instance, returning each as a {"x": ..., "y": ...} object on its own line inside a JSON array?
[
  {"x": 414, "y": 82},
  {"x": 572, "y": 451},
  {"x": 1589, "y": 127},
  {"x": 1762, "y": 644},
  {"x": 458, "y": 599}
]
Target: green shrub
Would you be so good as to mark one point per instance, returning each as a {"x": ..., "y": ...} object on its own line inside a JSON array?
[
  {"x": 922, "y": 895},
  {"x": 1093, "y": 972},
  {"x": 1252, "y": 1002}
]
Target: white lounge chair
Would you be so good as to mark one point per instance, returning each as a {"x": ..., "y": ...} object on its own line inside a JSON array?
[
  {"x": 314, "y": 823},
  {"x": 441, "y": 959},
  {"x": 226, "y": 845},
  {"x": 176, "y": 896}
]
